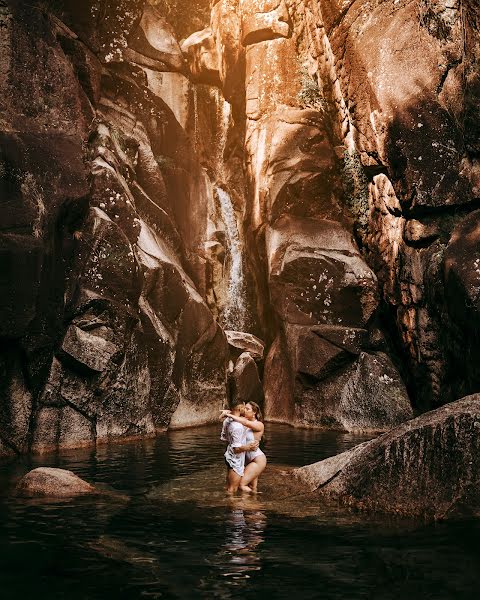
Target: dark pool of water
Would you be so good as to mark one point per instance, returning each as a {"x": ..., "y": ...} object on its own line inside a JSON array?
[{"x": 106, "y": 548}]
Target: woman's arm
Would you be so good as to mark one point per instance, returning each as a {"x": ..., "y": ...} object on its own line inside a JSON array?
[{"x": 254, "y": 425}]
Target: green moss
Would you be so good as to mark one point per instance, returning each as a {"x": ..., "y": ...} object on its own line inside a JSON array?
[
  {"x": 165, "y": 162},
  {"x": 355, "y": 184},
  {"x": 310, "y": 94}
]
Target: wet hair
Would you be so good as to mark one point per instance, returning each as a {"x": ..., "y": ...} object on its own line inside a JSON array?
[
  {"x": 257, "y": 410},
  {"x": 236, "y": 402},
  {"x": 258, "y": 414}
]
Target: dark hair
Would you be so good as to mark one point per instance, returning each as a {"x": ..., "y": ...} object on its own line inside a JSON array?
[{"x": 236, "y": 402}]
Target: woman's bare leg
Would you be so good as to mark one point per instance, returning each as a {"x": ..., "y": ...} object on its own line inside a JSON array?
[{"x": 252, "y": 472}]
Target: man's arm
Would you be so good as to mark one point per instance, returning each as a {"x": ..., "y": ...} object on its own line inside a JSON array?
[
  {"x": 237, "y": 435},
  {"x": 248, "y": 448},
  {"x": 253, "y": 425}
]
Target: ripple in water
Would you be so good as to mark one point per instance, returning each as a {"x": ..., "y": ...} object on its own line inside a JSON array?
[{"x": 202, "y": 546}]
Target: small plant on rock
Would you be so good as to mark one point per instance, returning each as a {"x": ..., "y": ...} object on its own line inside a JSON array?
[
  {"x": 310, "y": 94},
  {"x": 355, "y": 185}
]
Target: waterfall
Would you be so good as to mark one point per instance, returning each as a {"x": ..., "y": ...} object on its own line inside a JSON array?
[
  {"x": 234, "y": 316},
  {"x": 224, "y": 115},
  {"x": 195, "y": 118}
]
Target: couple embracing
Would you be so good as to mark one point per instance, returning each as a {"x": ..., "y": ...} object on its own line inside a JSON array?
[{"x": 245, "y": 461}]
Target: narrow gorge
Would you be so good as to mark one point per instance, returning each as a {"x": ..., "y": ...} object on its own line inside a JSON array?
[{"x": 272, "y": 199}]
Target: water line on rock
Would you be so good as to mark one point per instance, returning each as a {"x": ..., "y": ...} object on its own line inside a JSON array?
[{"x": 234, "y": 316}]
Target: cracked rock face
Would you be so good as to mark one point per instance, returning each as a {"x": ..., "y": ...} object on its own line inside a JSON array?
[
  {"x": 318, "y": 158},
  {"x": 105, "y": 332}
]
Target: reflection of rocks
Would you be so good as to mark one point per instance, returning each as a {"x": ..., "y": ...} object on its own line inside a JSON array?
[
  {"x": 54, "y": 483},
  {"x": 428, "y": 466}
]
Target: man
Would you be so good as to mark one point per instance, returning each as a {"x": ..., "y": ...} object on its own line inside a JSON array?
[{"x": 236, "y": 435}]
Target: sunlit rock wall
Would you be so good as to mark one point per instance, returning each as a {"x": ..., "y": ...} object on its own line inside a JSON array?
[
  {"x": 105, "y": 327},
  {"x": 303, "y": 171},
  {"x": 361, "y": 151}
]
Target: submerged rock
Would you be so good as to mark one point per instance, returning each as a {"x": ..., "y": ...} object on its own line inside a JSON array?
[
  {"x": 56, "y": 483},
  {"x": 428, "y": 467}
]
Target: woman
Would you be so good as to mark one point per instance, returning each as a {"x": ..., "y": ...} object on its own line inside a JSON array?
[{"x": 255, "y": 460}]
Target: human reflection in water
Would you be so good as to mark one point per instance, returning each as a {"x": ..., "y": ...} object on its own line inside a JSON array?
[
  {"x": 244, "y": 532},
  {"x": 238, "y": 556}
]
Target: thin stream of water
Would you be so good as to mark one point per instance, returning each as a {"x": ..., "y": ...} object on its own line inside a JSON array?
[{"x": 234, "y": 316}]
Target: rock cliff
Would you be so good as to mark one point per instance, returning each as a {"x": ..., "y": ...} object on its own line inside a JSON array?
[{"x": 303, "y": 171}]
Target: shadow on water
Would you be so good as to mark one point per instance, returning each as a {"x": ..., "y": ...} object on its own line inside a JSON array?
[{"x": 178, "y": 536}]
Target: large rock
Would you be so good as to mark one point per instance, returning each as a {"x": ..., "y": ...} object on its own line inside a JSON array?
[
  {"x": 102, "y": 25},
  {"x": 90, "y": 350},
  {"x": 392, "y": 111},
  {"x": 240, "y": 342},
  {"x": 152, "y": 43},
  {"x": 317, "y": 275},
  {"x": 311, "y": 382},
  {"x": 264, "y": 20},
  {"x": 462, "y": 272},
  {"x": 226, "y": 27},
  {"x": 245, "y": 381},
  {"x": 106, "y": 217},
  {"x": 401, "y": 115},
  {"x": 58, "y": 427},
  {"x": 290, "y": 156},
  {"x": 202, "y": 58},
  {"x": 429, "y": 466},
  {"x": 15, "y": 403},
  {"x": 53, "y": 483}
]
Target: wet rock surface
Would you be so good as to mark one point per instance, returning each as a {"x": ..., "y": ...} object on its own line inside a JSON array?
[
  {"x": 245, "y": 381},
  {"x": 106, "y": 330},
  {"x": 240, "y": 342},
  {"x": 52, "y": 483},
  {"x": 427, "y": 467}
]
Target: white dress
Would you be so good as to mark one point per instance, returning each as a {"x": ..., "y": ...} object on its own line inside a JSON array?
[
  {"x": 252, "y": 454},
  {"x": 236, "y": 435}
]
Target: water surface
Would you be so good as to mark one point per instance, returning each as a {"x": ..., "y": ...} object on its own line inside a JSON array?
[{"x": 169, "y": 539}]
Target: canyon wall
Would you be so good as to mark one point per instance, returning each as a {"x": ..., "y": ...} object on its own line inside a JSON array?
[{"x": 302, "y": 171}]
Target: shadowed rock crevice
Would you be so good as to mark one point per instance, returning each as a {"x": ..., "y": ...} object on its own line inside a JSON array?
[{"x": 304, "y": 173}]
